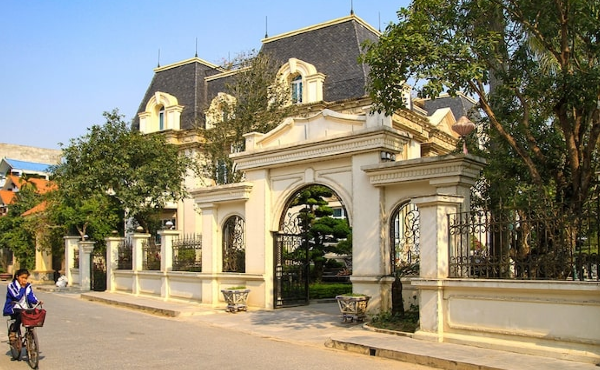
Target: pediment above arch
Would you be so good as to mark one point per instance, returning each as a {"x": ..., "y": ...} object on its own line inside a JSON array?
[
  {"x": 327, "y": 134},
  {"x": 325, "y": 124},
  {"x": 161, "y": 98}
]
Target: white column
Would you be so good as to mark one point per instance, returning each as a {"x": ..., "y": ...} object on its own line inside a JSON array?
[
  {"x": 368, "y": 232},
  {"x": 85, "y": 267},
  {"x": 434, "y": 255},
  {"x": 70, "y": 247},
  {"x": 259, "y": 240},
  {"x": 210, "y": 253},
  {"x": 112, "y": 261}
]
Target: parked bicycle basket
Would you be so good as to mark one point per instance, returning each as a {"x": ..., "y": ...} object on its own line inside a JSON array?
[{"x": 35, "y": 317}]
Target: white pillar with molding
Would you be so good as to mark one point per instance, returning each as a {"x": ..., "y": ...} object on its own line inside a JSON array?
[
  {"x": 137, "y": 257},
  {"x": 166, "y": 259},
  {"x": 71, "y": 245},
  {"x": 85, "y": 264},
  {"x": 112, "y": 261}
]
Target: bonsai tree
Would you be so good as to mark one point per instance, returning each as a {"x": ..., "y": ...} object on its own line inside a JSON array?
[{"x": 324, "y": 233}]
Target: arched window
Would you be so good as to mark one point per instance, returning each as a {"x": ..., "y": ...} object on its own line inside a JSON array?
[
  {"x": 405, "y": 236},
  {"x": 162, "y": 112},
  {"x": 234, "y": 245},
  {"x": 161, "y": 118},
  {"x": 304, "y": 81},
  {"x": 296, "y": 86}
]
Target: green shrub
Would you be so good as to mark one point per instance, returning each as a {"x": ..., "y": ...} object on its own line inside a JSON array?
[{"x": 328, "y": 290}]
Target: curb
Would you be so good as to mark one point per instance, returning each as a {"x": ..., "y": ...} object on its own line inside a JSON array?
[
  {"x": 419, "y": 359},
  {"x": 152, "y": 310}
]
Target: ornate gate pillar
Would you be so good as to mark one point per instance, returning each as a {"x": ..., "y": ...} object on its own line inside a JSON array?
[
  {"x": 368, "y": 233},
  {"x": 433, "y": 211}
]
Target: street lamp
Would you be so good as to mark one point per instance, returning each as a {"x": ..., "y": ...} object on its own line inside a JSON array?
[{"x": 463, "y": 127}]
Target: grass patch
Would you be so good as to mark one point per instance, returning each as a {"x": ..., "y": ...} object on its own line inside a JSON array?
[
  {"x": 408, "y": 323},
  {"x": 328, "y": 290}
]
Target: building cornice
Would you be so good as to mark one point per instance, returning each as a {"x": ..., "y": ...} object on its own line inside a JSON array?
[
  {"x": 213, "y": 195},
  {"x": 380, "y": 138},
  {"x": 437, "y": 170},
  {"x": 187, "y": 61},
  {"x": 322, "y": 25},
  {"x": 225, "y": 74}
]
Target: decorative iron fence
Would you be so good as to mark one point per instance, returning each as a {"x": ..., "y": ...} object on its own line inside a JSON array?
[
  {"x": 98, "y": 271},
  {"x": 525, "y": 244},
  {"x": 151, "y": 255},
  {"x": 187, "y": 253},
  {"x": 125, "y": 260}
]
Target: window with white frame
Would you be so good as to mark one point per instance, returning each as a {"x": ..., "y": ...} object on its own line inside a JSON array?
[
  {"x": 296, "y": 85},
  {"x": 161, "y": 118}
]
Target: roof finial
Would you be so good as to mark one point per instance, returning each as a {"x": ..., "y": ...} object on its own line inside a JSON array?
[
  {"x": 266, "y": 28},
  {"x": 158, "y": 64},
  {"x": 380, "y": 22},
  {"x": 196, "y": 55},
  {"x": 351, "y": 7}
]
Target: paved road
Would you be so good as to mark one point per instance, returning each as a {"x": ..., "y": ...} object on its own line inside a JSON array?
[{"x": 84, "y": 335}]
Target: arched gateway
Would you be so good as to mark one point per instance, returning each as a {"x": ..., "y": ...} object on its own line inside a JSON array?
[
  {"x": 311, "y": 225},
  {"x": 366, "y": 160}
]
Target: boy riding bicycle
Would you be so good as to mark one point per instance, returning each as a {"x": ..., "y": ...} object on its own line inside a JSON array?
[{"x": 19, "y": 296}]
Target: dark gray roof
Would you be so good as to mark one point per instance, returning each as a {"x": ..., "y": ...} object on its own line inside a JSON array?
[
  {"x": 186, "y": 83},
  {"x": 334, "y": 50},
  {"x": 459, "y": 105}
]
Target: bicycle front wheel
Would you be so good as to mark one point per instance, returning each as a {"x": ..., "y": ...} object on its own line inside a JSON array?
[{"x": 33, "y": 351}]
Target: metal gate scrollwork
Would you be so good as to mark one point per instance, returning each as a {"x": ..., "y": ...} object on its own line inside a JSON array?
[
  {"x": 292, "y": 264},
  {"x": 234, "y": 246},
  {"x": 98, "y": 271}
]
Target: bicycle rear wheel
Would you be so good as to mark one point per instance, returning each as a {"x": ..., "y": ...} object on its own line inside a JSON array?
[
  {"x": 33, "y": 351},
  {"x": 15, "y": 348}
]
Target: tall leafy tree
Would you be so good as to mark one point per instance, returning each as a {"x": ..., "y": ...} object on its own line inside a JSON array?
[
  {"x": 18, "y": 233},
  {"x": 256, "y": 100},
  {"x": 533, "y": 68},
  {"x": 114, "y": 172}
]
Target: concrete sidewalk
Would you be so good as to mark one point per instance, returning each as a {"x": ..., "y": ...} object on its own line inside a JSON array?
[{"x": 320, "y": 324}]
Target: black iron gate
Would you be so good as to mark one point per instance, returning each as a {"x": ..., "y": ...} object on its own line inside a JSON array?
[
  {"x": 98, "y": 271},
  {"x": 404, "y": 248},
  {"x": 292, "y": 267}
]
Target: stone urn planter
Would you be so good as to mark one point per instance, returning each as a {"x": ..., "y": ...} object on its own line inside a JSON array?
[
  {"x": 236, "y": 298},
  {"x": 5, "y": 276},
  {"x": 353, "y": 307}
]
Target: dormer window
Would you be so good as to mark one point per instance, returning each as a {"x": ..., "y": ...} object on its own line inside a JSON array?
[
  {"x": 220, "y": 110},
  {"x": 163, "y": 112},
  {"x": 296, "y": 86},
  {"x": 305, "y": 82}
]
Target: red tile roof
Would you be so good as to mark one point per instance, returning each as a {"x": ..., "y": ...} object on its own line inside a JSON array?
[
  {"x": 7, "y": 196},
  {"x": 39, "y": 208},
  {"x": 42, "y": 185}
]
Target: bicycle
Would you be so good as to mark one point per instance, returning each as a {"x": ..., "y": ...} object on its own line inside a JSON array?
[{"x": 29, "y": 341}]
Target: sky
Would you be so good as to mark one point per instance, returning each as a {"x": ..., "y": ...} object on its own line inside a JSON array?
[{"x": 65, "y": 62}]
